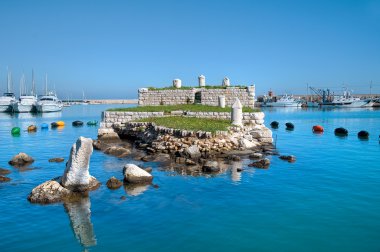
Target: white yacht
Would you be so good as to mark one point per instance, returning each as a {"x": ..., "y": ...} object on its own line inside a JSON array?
[
  {"x": 6, "y": 102},
  {"x": 284, "y": 101},
  {"x": 49, "y": 103},
  {"x": 8, "y": 98},
  {"x": 26, "y": 103}
]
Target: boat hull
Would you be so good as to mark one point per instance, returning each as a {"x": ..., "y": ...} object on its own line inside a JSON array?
[
  {"x": 23, "y": 108},
  {"x": 281, "y": 104},
  {"x": 354, "y": 104},
  {"x": 44, "y": 108},
  {"x": 5, "y": 108}
]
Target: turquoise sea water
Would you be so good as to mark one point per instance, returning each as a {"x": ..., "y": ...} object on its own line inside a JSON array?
[{"x": 328, "y": 200}]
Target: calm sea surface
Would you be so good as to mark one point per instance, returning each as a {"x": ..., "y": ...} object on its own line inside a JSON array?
[{"x": 328, "y": 200}]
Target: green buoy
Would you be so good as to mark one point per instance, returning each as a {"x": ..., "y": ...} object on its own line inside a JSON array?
[{"x": 15, "y": 131}]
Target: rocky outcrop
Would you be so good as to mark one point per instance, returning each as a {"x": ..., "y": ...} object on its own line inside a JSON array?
[
  {"x": 114, "y": 183},
  {"x": 76, "y": 181},
  {"x": 76, "y": 176},
  {"x": 21, "y": 159},
  {"x": 117, "y": 151},
  {"x": 262, "y": 164},
  {"x": 56, "y": 160},
  {"x": 135, "y": 175},
  {"x": 108, "y": 134}
]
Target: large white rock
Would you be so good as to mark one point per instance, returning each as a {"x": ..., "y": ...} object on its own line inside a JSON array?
[
  {"x": 48, "y": 192},
  {"x": 76, "y": 176},
  {"x": 135, "y": 175},
  {"x": 246, "y": 144}
]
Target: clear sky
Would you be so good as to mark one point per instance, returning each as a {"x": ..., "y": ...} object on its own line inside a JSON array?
[{"x": 111, "y": 48}]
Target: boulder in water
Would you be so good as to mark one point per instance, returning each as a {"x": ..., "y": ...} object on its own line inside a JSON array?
[
  {"x": 135, "y": 175},
  {"x": 56, "y": 160},
  {"x": 4, "y": 179},
  {"x": 48, "y": 192},
  {"x": 289, "y": 158},
  {"x": 262, "y": 164},
  {"x": 76, "y": 176},
  {"x": 114, "y": 183},
  {"x": 4, "y": 171},
  {"x": 21, "y": 159},
  {"x": 117, "y": 151}
]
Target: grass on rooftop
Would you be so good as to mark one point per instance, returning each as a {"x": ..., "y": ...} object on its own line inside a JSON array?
[
  {"x": 190, "y": 123},
  {"x": 184, "y": 107}
]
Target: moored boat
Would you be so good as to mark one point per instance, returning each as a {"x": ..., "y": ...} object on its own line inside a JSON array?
[
  {"x": 49, "y": 103},
  {"x": 284, "y": 101}
]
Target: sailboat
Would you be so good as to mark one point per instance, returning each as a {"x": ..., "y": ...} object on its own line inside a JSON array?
[
  {"x": 26, "y": 103},
  {"x": 49, "y": 102},
  {"x": 8, "y": 98}
]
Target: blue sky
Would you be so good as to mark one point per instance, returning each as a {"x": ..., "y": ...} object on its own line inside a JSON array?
[{"x": 111, "y": 48}]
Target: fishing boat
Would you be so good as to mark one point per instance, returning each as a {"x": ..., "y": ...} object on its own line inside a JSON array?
[
  {"x": 8, "y": 98},
  {"x": 49, "y": 102},
  {"x": 284, "y": 101},
  {"x": 344, "y": 101},
  {"x": 26, "y": 103}
]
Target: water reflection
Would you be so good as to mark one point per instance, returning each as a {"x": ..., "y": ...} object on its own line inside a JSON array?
[
  {"x": 236, "y": 169},
  {"x": 80, "y": 219},
  {"x": 135, "y": 190}
]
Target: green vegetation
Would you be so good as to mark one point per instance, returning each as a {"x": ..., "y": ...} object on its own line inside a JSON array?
[
  {"x": 189, "y": 88},
  {"x": 190, "y": 123},
  {"x": 184, "y": 107}
]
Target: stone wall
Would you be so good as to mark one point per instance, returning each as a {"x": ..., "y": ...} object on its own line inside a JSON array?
[
  {"x": 210, "y": 96},
  {"x": 197, "y": 95},
  {"x": 166, "y": 97},
  {"x": 111, "y": 119}
]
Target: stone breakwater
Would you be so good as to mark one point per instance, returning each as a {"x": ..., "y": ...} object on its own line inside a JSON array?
[
  {"x": 158, "y": 139},
  {"x": 200, "y": 95},
  {"x": 111, "y": 119}
]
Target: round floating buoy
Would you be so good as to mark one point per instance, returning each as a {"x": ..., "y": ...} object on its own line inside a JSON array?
[
  {"x": 54, "y": 125},
  {"x": 61, "y": 123},
  {"x": 92, "y": 123},
  {"x": 289, "y": 126},
  {"x": 341, "y": 131},
  {"x": 318, "y": 129},
  {"x": 32, "y": 128},
  {"x": 274, "y": 124},
  {"x": 77, "y": 123},
  {"x": 15, "y": 131},
  {"x": 363, "y": 134},
  {"x": 44, "y": 126}
]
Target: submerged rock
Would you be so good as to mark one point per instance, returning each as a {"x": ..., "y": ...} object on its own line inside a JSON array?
[
  {"x": 210, "y": 166},
  {"x": 256, "y": 155},
  {"x": 135, "y": 175},
  {"x": 21, "y": 159},
  {"x": 289, "y": 158},
  {"x": 76, "y": 176},
  {"x": 4, "y": 179},
  {"x": 263, "y": 164},
  {"x": 4, "y": 171},
  {"x": 114, "y": 183},
  {"x": 56, "y": 160}
]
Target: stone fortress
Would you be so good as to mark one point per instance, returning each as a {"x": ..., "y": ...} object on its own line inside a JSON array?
[{"x": 203, "y": 94}]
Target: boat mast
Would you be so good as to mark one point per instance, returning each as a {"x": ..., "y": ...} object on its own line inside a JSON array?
[
  {"x": 33, "y": 90},
  {"x": 9, "y": 80},
  {"x": 46, "y": 91}
]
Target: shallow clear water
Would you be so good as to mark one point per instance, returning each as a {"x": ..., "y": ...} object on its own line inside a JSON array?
[{"x": 328, "y": 200}]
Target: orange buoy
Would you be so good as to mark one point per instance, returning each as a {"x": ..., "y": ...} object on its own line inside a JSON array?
[
  {"x": 318, "y": 129},
  {"x": 60, "y": 123}
]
